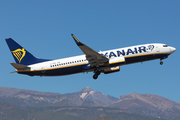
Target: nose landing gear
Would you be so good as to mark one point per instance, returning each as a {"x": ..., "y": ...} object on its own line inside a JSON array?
[{"x": 161, "y": 62}]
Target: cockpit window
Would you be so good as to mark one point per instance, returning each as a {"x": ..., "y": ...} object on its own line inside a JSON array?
[{"x": 165, "y": 45}]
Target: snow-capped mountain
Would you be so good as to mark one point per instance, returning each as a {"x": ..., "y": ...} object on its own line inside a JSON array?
[{"x": 88, "y": 94}]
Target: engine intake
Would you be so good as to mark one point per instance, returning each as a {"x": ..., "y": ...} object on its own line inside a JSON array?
[{"x": 111, "y": 70}]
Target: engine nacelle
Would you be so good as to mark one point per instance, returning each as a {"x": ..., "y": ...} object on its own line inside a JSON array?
[
  {"x": 117, "y": 61},
  {"x": 111, "y": 70}
]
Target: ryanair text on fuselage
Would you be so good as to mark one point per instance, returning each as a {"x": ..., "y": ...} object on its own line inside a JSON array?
[{"x": 123, "y": 52}]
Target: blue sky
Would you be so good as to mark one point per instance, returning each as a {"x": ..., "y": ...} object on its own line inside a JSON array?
[{"x": 44, "y": 28}]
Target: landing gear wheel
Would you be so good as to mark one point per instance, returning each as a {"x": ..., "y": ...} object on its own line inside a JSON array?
[
  {"x": 97, "y": 73},
  {"x": 161, "y": 62},
  {"x": 95, "y": 76}
]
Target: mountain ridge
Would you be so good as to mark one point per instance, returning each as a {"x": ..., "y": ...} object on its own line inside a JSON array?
[
  {"x": 142, "y": 104},
  {"x": 154, "y": 100},
  {"x": 149, "y": 105}
]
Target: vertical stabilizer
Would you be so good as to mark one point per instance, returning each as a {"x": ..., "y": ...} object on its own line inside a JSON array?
[{"x": 20, "y": 54}]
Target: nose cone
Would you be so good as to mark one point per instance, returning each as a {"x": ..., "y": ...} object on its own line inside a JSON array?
[{"x": 173, "y": 49}]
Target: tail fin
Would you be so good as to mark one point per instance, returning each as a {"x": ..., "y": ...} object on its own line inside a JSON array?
[{"x": 21, "y": 55}]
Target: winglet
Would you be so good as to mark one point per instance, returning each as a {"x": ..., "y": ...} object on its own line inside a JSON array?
[{"x": 77, "y": 41}]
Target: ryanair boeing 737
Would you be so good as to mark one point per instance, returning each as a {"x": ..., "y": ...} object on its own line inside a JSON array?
[{"x": 98, "y": 62}]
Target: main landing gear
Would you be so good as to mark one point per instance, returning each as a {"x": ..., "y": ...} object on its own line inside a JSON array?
[{"x": 97, "y": 72}]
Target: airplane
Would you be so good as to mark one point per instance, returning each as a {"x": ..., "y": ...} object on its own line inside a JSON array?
[{"x": 98, "y": 62}]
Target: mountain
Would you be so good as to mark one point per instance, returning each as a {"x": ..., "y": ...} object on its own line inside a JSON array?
[
  {"x": 149, "y": 105},
  {"x": 9, "y": 112},
  {"x": 88, "y": 94},
  {"x": 20, "y": 97},
  {"x": 86, "y": 104}
]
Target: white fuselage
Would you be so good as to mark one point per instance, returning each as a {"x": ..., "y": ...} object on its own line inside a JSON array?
[{"x": 79, "y": 63}]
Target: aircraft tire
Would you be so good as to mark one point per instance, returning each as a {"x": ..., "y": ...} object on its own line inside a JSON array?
[{"x": 95, "y": 76}]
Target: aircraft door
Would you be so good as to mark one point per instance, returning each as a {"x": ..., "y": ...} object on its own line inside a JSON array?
[
  {"x": 42, "y": 70},
  {"x": 157, "y": 49}
]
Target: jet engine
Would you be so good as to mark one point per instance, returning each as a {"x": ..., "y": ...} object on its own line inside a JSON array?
[{"x": 111, "y": 70}]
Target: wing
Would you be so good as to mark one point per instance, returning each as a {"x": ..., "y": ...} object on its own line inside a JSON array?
[{"x": 95, "y": 59}]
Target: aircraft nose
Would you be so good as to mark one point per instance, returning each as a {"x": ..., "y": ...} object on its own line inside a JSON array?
[{"x": 173, "y": 49}]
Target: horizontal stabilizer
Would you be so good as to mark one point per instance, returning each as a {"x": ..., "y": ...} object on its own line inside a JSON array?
[
  {"x": 13, "y": 72},
  {"x": 19, "y": 66}
]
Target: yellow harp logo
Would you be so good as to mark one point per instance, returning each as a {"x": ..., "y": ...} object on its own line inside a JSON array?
[{"x": 19, "y": 54}]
